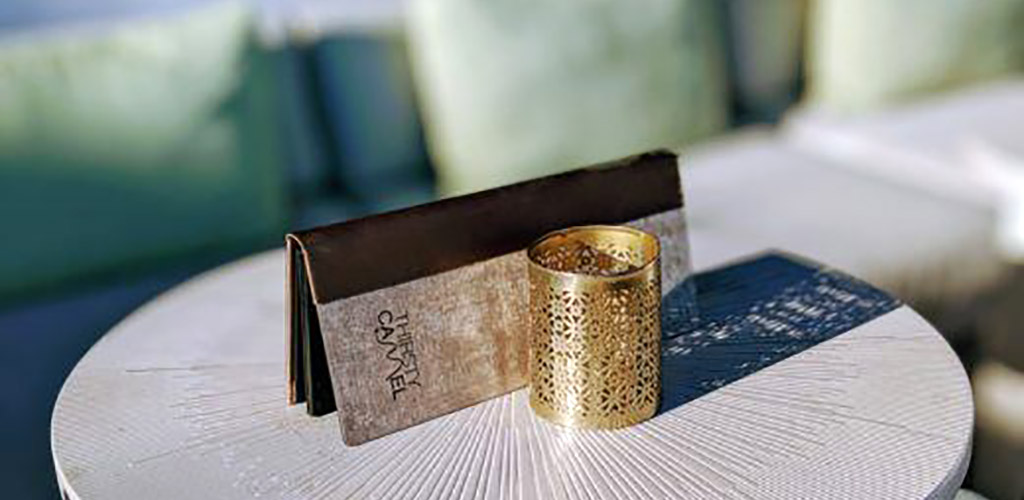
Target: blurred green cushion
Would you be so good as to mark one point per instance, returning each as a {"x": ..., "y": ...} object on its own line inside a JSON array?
[
  {"x": 514, "y": 89},
  {"x": 134, "y": 142},
  {"x": 869, "y": 53}
]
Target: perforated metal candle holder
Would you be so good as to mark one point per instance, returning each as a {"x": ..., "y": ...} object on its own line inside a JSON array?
[{"x": 595, "y": 321}]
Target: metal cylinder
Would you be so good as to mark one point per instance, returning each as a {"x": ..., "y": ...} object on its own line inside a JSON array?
[{"x": 595, "y": 321}]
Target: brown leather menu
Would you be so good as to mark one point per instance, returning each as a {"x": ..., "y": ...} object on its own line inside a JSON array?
[{"x": 405, "y": 316}]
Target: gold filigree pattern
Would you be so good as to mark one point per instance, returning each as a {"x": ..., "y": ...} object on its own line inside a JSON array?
[{"x": 595, "y": 348}]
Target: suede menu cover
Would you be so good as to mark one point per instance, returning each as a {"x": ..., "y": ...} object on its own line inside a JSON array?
[{"x": 402, "y": 317}]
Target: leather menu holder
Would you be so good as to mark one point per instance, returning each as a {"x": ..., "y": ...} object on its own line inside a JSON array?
[{"x": 405, "y": 316}]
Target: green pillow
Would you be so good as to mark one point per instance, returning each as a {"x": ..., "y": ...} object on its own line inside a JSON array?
[{"x": 133, "y": 142}]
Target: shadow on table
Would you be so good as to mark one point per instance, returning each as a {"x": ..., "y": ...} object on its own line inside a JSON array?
[{"x": 751, "y": 315}]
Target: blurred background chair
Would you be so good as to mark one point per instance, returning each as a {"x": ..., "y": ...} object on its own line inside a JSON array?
[
  {"x": 513, "y": 90},
  {"x": 135, "y": 142}
]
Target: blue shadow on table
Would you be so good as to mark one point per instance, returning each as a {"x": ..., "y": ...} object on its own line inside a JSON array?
[{"x": 753, "y": 314}]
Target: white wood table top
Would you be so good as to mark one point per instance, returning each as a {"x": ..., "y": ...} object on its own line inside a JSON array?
[{"x": 185, "y": 399}]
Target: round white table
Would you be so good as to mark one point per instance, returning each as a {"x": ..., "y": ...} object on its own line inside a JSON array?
[{"x": 186, "y": 399}]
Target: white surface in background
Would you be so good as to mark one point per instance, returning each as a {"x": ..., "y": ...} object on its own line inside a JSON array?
[
  {"x": 966, "y": 146},
  {"x": 753, "y": 190},
  {"x": 1003, "y": 169},
  {"x": 929, "y": 144}
]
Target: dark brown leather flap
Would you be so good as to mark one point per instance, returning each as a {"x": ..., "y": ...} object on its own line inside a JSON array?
[{"x": 359, "y": 256}]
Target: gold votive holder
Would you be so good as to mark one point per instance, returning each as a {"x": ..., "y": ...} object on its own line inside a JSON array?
[{"x": 595, "y": 326}]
